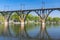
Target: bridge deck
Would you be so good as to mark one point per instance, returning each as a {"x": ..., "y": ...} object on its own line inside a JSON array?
[{"x": 32, "y": 10}]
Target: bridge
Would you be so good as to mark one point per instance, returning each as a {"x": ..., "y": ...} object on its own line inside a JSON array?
[{"x": 42, "y": 13}]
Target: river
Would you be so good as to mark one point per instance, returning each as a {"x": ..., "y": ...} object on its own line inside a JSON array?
[{"x": 30, "y": 32}]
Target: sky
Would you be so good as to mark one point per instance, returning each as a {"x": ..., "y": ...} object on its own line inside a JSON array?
[{"x": 28, "y": 4}]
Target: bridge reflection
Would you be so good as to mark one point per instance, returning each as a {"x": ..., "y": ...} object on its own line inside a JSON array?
[
  {"x": 23, "y": 35},
  {"x": 42, "y": 35}
]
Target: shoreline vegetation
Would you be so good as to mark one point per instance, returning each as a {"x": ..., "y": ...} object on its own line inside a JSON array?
[
  {"x": 32, "y": 22},
  {"x": 30, "y": 19}
]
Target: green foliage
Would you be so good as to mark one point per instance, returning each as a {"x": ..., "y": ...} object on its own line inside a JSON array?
[
  {"x": 36, "y": 18},
  {"x": 15, "y": 17},
  {"x": 32, "y": 18},
  {"x": 29, "y": 17},
  {"x": 56, "y": 19},
  {"x": 1, "y": 18},
  {"x": 49, "y": 19}
]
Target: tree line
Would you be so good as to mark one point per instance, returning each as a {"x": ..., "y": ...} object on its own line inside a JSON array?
[{"x": 31, "y": 17}]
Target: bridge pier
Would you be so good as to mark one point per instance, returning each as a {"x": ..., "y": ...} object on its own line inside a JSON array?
[
  {"x": 43, "y": 27},
  {"x": 22, "y": 24},
  {"x": 6, "y": 23},
  {"x": 22, "y": 29},
  {"x": 22, "y": 18},
  {"x": 43, "y": 24}
]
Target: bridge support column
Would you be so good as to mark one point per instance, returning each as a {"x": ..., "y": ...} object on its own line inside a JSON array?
[
  {"x": 22, "y": 24},
  {"x": 22, "y": 27},
  {"x": 6, "y": 24},
  {"x": 43, "y": 27},
  {"x": 22, "y": 17},
  {"x": 43, "y": 24}
]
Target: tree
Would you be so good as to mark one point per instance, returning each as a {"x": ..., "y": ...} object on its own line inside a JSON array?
[
  {"x": 36, "y": 18},
  {"x": 29, "y": 17},
  {"x": 15, "y": 17},
  {"x": 49, "y": 19},
  {"x": 56, "y": 19}
]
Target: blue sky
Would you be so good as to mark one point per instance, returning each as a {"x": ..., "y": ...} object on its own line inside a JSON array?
[{"x": 27, "y": 4}]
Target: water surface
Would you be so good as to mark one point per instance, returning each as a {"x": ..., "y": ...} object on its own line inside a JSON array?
[{"x": 29, "y": 32}]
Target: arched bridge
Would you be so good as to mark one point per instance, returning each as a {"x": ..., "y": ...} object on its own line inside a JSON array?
[{"x": 42, "y": 13}]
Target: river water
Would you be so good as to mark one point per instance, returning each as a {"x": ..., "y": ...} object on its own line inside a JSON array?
[{"x": 30, "y": 32}]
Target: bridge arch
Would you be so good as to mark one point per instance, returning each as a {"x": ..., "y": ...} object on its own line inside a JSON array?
[
  {"x": 31, "y": 16},
  {"x": 51, "y": 12},
  {"x": 54, "y": 12},
  {"x": 33, "y": 12},
  {"x": 15, "y": 14}
]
